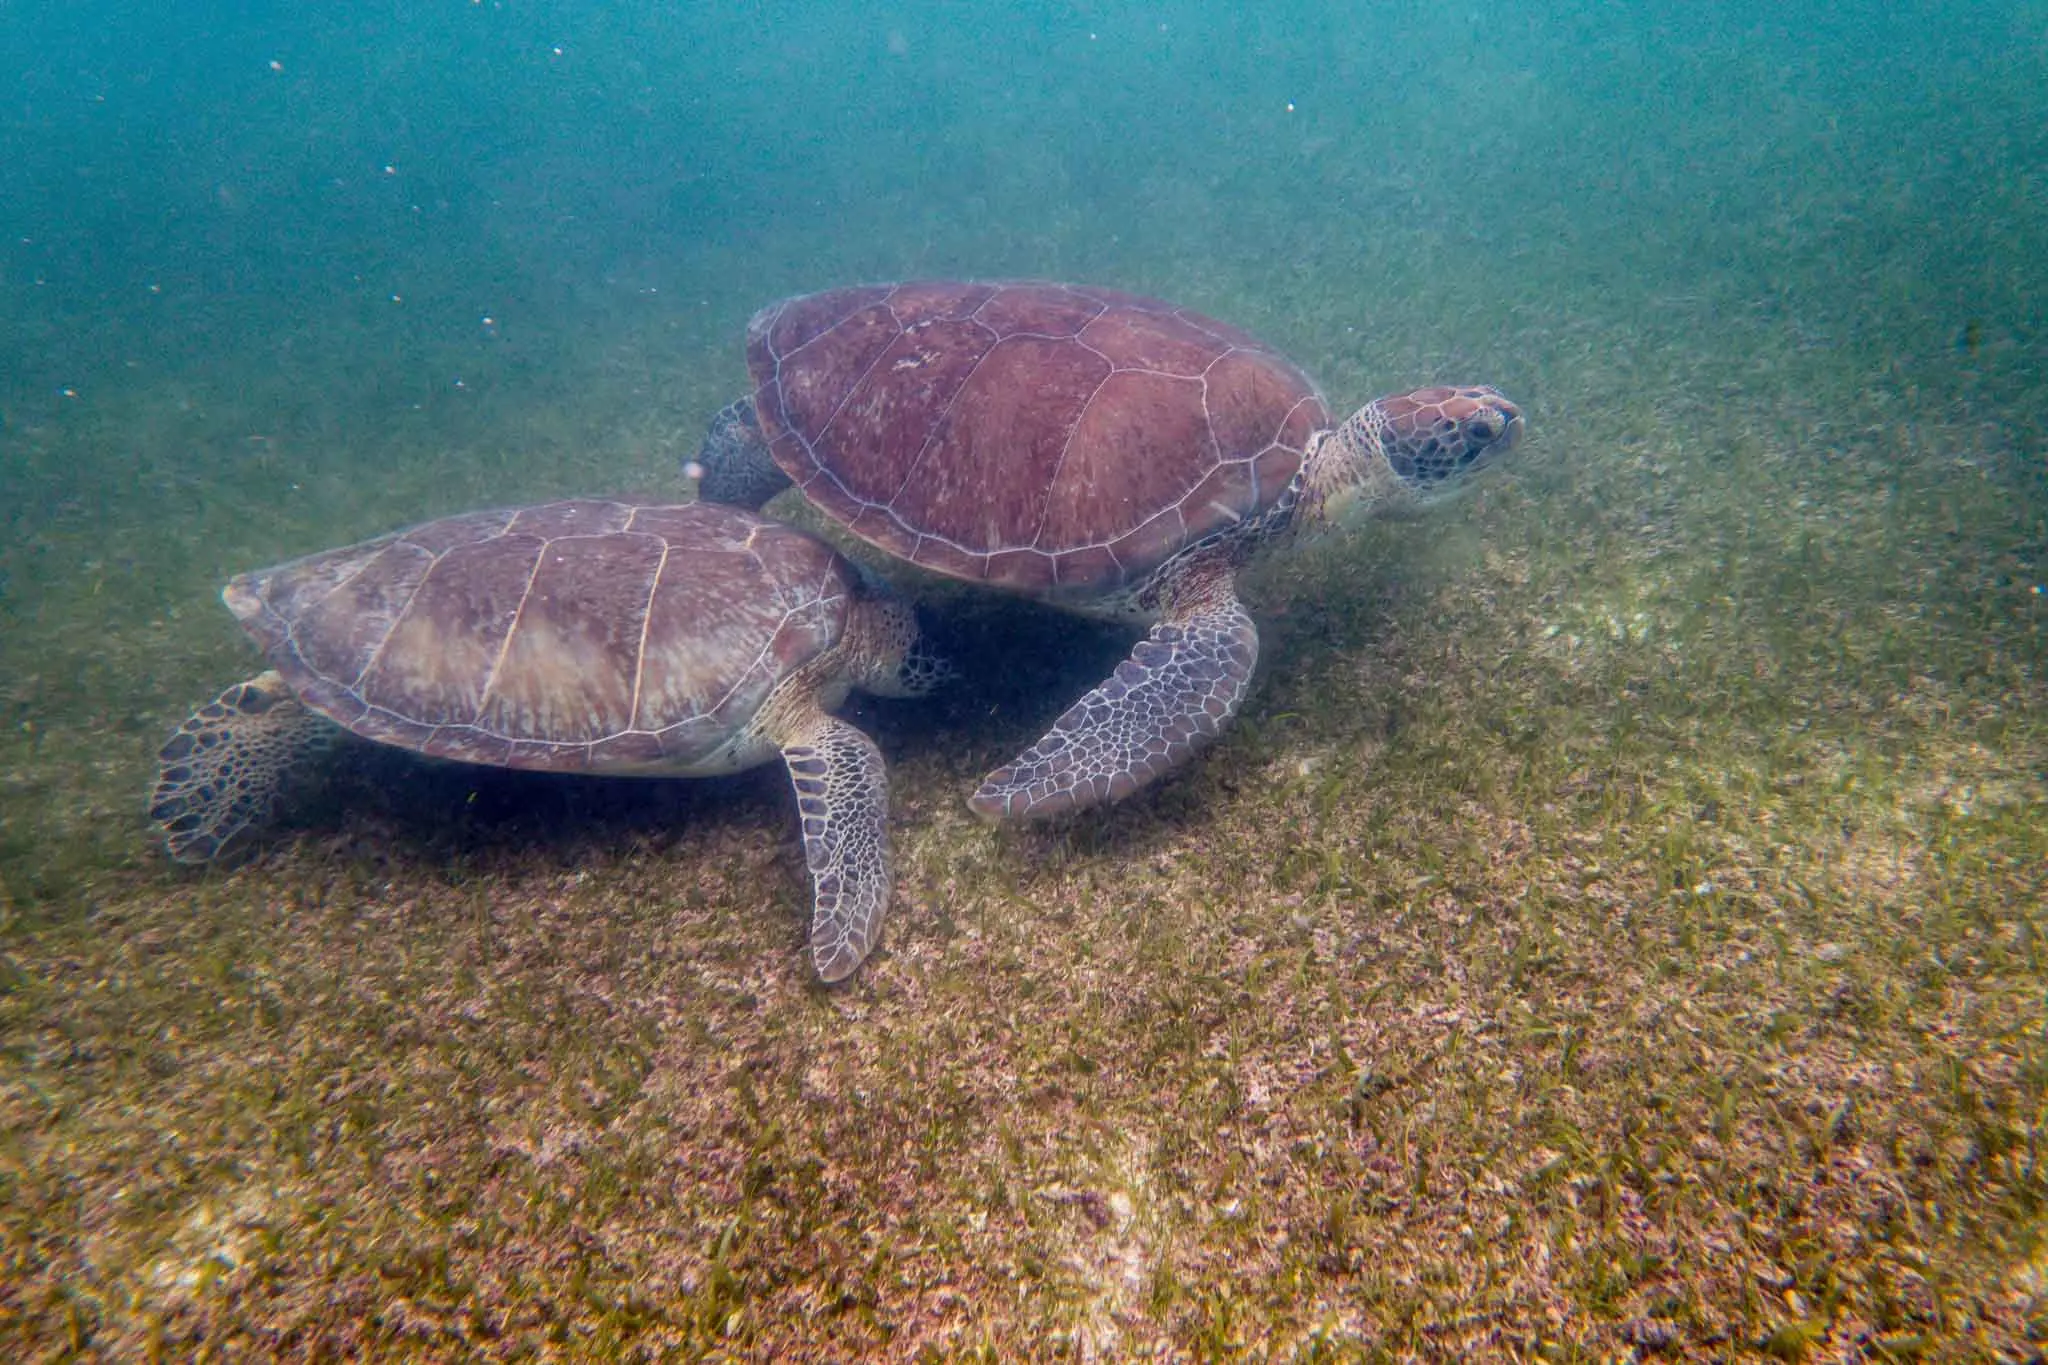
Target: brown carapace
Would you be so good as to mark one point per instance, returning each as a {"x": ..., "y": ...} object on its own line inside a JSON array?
[
  {"x": 581, "y": 636},
  {"x": 1116, "y": 455}
]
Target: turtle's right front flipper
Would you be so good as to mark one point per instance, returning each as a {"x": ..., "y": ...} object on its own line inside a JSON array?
[
  {"x": 223, "y": 771},
  {"x": 1174, "y": 694},
  {"x": 842, "y": 795},
  {"x": 733, "y": 466}
]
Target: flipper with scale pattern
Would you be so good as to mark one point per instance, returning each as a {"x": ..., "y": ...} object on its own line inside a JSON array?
[
  {"x": 735, "y": 465},
  {"x": 842, "y": 795},
  {"x": 1176, "y": 691},
  {"x": 222, "y": 773}
]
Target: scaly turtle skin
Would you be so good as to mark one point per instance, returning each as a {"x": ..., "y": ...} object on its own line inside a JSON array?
[
  {"x": 1111, "y": 454},
  {"x": 585, "y": 636}
]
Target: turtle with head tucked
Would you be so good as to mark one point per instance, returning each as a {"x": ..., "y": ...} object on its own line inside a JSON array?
[
  {"x": 585, "y": 636},
  {"x": 1114, "y": 455}
]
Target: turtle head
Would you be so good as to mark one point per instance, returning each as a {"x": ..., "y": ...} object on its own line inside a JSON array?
[
  {"x": 897, "y": 659},
  {"x": 1405, "y": 450}
]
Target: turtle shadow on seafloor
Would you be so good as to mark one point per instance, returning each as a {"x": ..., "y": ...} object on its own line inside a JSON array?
[
  {"x": 419, "y": 808},
  {"x": 1018, "y": 665},
  {"x": 370, "y": 801}
]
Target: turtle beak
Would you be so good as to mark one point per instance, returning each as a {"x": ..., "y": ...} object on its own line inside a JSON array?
[
  {"x": 1511, "y": 434},
  {"x": 1491, "y": 432}
]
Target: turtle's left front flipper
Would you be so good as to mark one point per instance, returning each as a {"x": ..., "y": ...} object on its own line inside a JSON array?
[
  {"x": 842, "y": 795},
  {"x": 222, "y": 773},
  {"x": 1178, "y": 689}
]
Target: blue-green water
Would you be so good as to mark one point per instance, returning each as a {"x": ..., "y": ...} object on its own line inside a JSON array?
[
  {"x": 376, "y": 185},
  {"x": 1770, "y": 280},
  {"x": 270, "y": 282}
]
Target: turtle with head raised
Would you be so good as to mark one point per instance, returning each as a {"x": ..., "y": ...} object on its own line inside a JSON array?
[
  {"x": 584, "y": 636},
  {"x": 1111, "y": 454}
]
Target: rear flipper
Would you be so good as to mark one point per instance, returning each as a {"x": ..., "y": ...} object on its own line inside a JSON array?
[
  {"x": 1175, "y": 693},
  {"x": 842, "y": 793},
  {"x": 733, "y": 465},
  {"x": 222, "y": 773}
]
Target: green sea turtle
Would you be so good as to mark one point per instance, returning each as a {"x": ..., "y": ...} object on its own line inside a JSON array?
[
  {"x": 584, "y": 636},
  {"x": 1114, "y": 455}
]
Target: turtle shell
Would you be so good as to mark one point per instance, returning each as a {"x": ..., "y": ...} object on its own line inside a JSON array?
[
  {"x": 571, "y": 636},
  {"x": 1052, "y": 439}
]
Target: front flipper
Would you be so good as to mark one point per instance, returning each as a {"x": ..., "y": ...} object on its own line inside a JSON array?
[
  {"x": 842, "y": 793},
  {"x": 733, "y": 465},
  {"x": 223, "y": 771},
  {"x": 1175, "y": 693}
]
